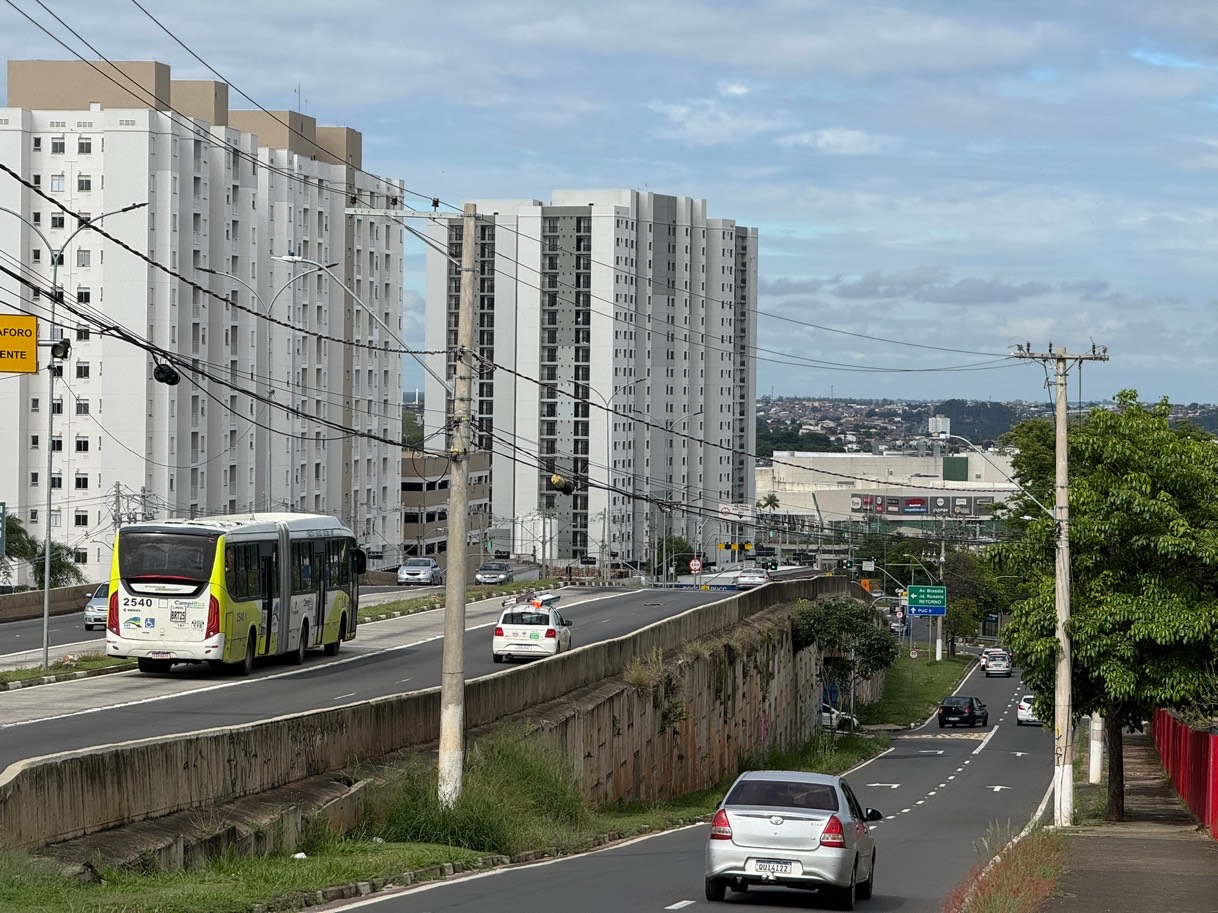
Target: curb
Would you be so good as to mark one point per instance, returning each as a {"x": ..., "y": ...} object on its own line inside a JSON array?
[{"x": 63, "y": 677}]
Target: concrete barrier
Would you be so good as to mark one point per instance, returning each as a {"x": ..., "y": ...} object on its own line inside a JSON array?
[
  {"x": 58, "y": 797},
  {"x": 28, "y": 604}
]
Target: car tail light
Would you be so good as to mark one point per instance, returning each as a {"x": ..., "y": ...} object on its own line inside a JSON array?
[
  {"x": 833, "y": 834},
  {"x": 498, "y": 632},
  {"x": 112, "y": 613},
  {"x": 213, "y": 617},
  {"x": 551, "y": 634},
  {"x": 721, "y": 828}
]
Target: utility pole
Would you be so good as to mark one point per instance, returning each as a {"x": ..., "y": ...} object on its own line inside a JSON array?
[
  {"x": 118, "y": 508},
  {"x": 452, "y": 673},
  {"x": 1063, "y": 704}
]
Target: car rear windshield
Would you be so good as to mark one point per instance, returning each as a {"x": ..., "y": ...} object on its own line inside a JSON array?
[
  {"x": 956, "y": 702},
  {"x": 783, "y": 794},
  {"x": 525, "y": 618}
]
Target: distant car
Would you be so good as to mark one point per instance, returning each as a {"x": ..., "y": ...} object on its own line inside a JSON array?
[
  {"x": 960, "y": 710},
  {"x": 495, "y": 572},
  {"x": 1025, "y": 712},
  {"x": 422, "y": 571},
  {"x": 751, "y": 577},
  {"x": 530, "y": 631},
  {"x": 992, "y": 651},
  {"x": 897, "y": 626},
  {"x": 793, "y": 829},
  {"x": 832, "y": 718},
  {"x": 97, "y": 609},
  {"x": 997, "y": 664}
]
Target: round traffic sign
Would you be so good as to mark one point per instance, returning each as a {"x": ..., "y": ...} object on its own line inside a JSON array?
[
  {"x": 900, "y": 614},
  {"x": 913, "y": 654},
  {"x": 694, "y": 565}
]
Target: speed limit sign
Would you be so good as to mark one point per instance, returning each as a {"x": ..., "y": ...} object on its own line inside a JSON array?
[
  {"x": 913, "y": 654},
  {"x": 694, "y": 565}
]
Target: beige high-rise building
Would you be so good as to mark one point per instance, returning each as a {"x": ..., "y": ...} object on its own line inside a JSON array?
[{"x": 266, "y": 297}]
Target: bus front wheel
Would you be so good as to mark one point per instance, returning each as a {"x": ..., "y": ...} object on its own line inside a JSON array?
[{"x": 333, "y": 648}]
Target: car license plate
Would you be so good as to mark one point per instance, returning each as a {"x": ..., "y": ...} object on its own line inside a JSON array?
[
  {"x": 953, "y": 719},
  {"x": 776, "y": 866},
  {"x": 160, "y": 654}
]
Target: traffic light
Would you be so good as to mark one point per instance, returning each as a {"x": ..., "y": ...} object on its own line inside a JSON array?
[
  {"x": 164, "y": 373},
  {"x": 771, "y": 565},
  {"x": 61, "y": 348},
  {"x": 849, "y": 563},
  {"x": 562, "y": 484}
]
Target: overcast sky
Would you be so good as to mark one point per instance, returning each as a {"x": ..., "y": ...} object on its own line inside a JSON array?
[{"x": 934, "y": 182}]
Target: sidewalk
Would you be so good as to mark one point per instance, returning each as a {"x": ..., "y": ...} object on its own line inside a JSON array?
[{"x": 1157, "y": 859}]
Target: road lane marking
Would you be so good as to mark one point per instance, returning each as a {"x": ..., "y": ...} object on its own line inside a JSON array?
[
  {"x": 986, "y": 740},
  {"x": 679, "y": 904},
  {"x": 998, "y": 789}
]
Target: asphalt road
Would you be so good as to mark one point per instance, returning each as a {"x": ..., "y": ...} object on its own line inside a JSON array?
[
  {"x": 943, "y": 794},
  {"x": 386, "y": 658}
]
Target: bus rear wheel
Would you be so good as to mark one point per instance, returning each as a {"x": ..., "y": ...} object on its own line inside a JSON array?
[
  {"x": 333, "y": 648},
  {"x": 246, "y": 666},
  {"x": 297, "y": 656}
]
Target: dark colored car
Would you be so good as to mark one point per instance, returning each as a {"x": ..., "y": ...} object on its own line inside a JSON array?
[{"x": 959, "y": 710}]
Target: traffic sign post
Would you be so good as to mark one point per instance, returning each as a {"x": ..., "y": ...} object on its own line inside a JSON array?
[{"x": 932, "y": 601}]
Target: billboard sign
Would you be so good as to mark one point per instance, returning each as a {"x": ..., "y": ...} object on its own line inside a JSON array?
[{"x": 18, "y": 344}]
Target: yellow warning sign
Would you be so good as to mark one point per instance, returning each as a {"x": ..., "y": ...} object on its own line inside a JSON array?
[{"x": 18, "y": 344}]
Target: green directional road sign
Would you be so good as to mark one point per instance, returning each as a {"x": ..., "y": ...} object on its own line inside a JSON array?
[{"x": 927, "y": 595}]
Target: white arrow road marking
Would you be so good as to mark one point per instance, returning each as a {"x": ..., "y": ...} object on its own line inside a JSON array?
[
  {"x": 998, "y": 788},
  {"x": 679, "y": 904},
  {"x": 889, "y": 785},
  {"x": 928, "y": 751},
  {"x": 1019, "y": 754}
]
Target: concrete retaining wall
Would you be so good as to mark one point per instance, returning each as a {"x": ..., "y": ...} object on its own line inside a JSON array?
[
  {"x": 55, "y": 798},
  {"x": 28, "y": 604}
]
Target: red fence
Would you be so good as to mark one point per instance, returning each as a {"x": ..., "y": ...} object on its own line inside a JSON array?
[{"x": 1190, "y": 758}]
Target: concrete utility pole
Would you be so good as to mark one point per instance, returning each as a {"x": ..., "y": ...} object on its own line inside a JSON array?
[
  {"x": 1063, "y": 705},
  {"x": 452, "y": 673}
]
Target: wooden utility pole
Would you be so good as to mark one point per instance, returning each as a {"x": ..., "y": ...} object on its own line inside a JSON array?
[
  {"x": 452, "y": 673},
  {"x": 1063, "y": 703}
]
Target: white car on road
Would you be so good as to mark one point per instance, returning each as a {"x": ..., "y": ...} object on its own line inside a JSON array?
[
  {"x": 530, "y": 631},
  {"x": 1025, "y": 713}
]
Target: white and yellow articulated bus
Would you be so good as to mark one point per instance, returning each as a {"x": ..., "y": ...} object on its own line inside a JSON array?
[{"x": 226, "y": 590}]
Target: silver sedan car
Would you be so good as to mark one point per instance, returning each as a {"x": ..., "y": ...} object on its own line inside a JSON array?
[{"x": 788, "y": 828}]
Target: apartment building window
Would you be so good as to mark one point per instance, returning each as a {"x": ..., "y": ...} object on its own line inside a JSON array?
[
  {"x": 84, "y": 256},
  {"x": 34, "y": 479},
  {"x": 82, "y": 334},
  {"x": 84, "y": 182},
  {"x": 57, "y": 407},
  {"x": 82, "y": 407},
  {"x": 82, "y": 481},
  {"x": 57, "y": 145},
  {"x": 57, "y": 220},
  {"x": 80, "y": 556},
  {"x": 34, "y": 515},
  {"x": 57, "y": 444},
  {"x": 38, "y": 144},
  {"x": 82, "y": 369},
  {"x": 37, "y": 217},
  {"x": 81, "y": 518},
  {"x": 36, "y": 256},
  {"x": 83, "y": 295},
  {"x": 82, "y": 445},
  {"x": 34, "y": 404},
  {"x": 84, "y": 145},
  {"x": 57, "y": 183},
  {"x": 56, "y": 482}
]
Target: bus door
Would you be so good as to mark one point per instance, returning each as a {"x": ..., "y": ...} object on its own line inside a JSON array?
[
  {"x": 320, "y": 569},
  {"x": 268, "y": 560}
]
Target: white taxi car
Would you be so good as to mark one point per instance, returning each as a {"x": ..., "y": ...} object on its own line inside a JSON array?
[{"x": 530, "y": 631}]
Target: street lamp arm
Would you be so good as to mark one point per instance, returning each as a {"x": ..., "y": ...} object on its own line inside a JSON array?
[
  {"x": 292, "y": 258},
  {"x": 1001, "y": 472}
]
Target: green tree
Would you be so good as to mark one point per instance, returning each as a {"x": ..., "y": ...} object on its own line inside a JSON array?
[
  {"x": 18, "y": 546},
  {"x": 1144, "y": 567},
  {"x": 64, "y": 570},
  {"x": 853, "y": 644},
  {"x": 412, "y": 431}
]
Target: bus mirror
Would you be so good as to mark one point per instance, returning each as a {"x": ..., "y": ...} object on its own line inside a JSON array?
[{"x": 360, "y": 560}]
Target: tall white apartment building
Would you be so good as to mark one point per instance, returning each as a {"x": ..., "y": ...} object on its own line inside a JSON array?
[
  {"x": 615, "y": 331},
  {"x": 281, "y": 360}
]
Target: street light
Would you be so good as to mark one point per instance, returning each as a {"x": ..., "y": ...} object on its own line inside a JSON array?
[
  {"x": 58, "y": 352},
  {"x": 270, "y": 355}
]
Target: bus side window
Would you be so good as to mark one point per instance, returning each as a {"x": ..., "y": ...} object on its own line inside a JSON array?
[{"x": 230, "y": 572}]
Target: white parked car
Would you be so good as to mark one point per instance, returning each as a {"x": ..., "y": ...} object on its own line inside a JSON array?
[
  {"x": 1025, "y": 712},
  {"x": 832, "y": 718},
  {"x": 530, "y": 631}
]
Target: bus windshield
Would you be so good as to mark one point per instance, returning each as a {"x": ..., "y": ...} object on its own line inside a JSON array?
[{"x": 166, "y": 555}]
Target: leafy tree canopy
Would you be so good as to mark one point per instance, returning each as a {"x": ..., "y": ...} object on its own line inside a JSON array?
[
  {"x": 853, "y": 645},
  {"x": 1144, "y": 564}
]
